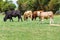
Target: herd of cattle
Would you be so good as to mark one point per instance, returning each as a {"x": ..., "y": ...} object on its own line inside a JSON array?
[{"x": 29, "y": 14}]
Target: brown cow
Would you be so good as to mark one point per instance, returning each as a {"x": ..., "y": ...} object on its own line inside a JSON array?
[
  {"x": 36, "y": 14},
  {"x": 43, "y": 15},
  {"x": 27, "y": 14}
]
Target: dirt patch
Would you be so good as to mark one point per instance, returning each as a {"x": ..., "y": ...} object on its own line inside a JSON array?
[{"x": 54, "y": 24}]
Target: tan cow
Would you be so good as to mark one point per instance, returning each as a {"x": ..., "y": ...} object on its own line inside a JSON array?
[
  {"x": 27, "y": 14},
  {"x": 46, "y": 15}
]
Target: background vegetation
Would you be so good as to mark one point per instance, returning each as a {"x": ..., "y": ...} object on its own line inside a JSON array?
[
  {"x": 6, "y": 5},
  {"x": 24, "y": 5},
  {"x": 45, "y": 5}
]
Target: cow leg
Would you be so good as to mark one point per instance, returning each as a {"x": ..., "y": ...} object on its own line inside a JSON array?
[
  {"x": 39, "y": 19},
  {"x": 21, "y": 19},
  {"x": 18, "y": 18},
  {"x": 35, "y": 18},
  {"x": 32, "y": 18},
  {"x": 51, "y": 21},
  {"x": 42, "y": 19},
  {"x": 5, "y": 19},
  {"x": 11, "y": 19},
  {"x": 25, "y": 18}
]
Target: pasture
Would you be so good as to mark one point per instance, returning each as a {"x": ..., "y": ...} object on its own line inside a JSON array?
[{"x": 29, "y": 30}]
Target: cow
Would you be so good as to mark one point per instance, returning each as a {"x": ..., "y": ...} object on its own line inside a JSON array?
[
  {"x": 14, "y": 13},
  {"x": 36, "y": 14},
  {"x": 46, "y": 15},
  {"x": 27, "y": 14},
  {"x": 43, "y": 15}
]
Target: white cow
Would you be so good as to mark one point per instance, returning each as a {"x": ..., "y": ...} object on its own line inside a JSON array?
[{"x": 46, "y": 15}]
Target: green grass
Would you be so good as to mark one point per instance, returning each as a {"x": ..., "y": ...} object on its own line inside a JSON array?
[{"x": 29, "y": 30}]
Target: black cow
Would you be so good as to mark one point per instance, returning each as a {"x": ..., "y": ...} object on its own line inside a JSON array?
[{"x": 14, "y": 13}]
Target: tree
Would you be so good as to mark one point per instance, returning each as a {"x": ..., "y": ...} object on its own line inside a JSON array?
[
  {"x": 24, "y": 5},
  {"x": 6, "y": 5},
  {"x": 53, "y": 5},
  {"x": 1, "y": 5},
  {"x": 9, "y": 5},
  {"x": 45, "y": 5}
]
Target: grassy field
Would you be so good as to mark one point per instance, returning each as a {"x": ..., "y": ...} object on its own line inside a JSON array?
[{"x": 29, "y": 30}]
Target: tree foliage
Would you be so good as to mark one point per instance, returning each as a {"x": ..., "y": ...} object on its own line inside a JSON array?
[
  {"x": 54, "y": 5},
  {"x": 6, "y": 5},
  {"x": 24, "y": 5},
  {"x": 39, "y": 4}
]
